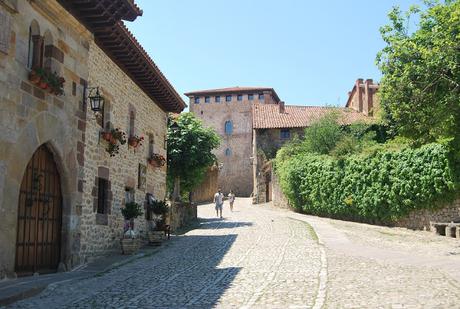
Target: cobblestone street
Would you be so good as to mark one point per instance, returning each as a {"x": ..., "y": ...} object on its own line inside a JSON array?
[{"x": 257, "y": 257}]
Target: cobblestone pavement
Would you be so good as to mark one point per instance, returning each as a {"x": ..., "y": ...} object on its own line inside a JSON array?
[
  {"x": 380, "y": 267},
  {"x": 251, "y": 259}
]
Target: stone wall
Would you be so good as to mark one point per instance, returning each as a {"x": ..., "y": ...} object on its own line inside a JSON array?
[
  {"x": 101, "y": 234},
  {"x": 420, "y": 219},
  {"x": 31, "y": 117},
  {"x": 279, "y": 199},
  {"x": 206, "y": 190},
  {"x": 181, "y": 215}
]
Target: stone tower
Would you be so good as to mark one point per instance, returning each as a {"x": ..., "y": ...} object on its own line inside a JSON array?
[{"x": 229, "y": 112}]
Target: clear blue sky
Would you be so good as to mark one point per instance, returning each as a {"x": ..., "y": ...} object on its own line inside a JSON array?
[{"x": 310, "y": 52}]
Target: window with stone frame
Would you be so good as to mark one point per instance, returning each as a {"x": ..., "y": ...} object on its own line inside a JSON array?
[
  {"x": 132, "y": 121},
  {"x": 35, "y": 48},
  {"x": 285, "y": 133},
  {"x": 129, "y": 195},
  {"x": 250, "y": 97},
  {"x": 151, "y": 149},
  {"x": 228, "y": 127},
  {"x": 102, "y": 195}
]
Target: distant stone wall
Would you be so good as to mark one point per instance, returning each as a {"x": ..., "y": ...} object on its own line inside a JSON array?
[
  {"x": 182, "y": 214},
  {"x": 279, "y": 200},
  {"x": 206, "y": 190},
  {"x": 420, "y": 219}
]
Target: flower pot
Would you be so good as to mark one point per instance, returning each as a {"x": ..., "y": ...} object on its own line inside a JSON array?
[
  {"x": 154, "y": 163},
  {"x": 43, "y": 85},
  {"x": 107, "y": 136},
  {"x": 130, "y": 245},
  {"x": 34, "y": 78},
  {"x": 156, "y": 237},
  {"x": 133, "y": 142}
]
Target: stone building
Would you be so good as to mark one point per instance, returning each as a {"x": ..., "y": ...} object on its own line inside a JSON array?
[
  {"x": 229, "y": 112},
  {"x": 61, "y": 193}
]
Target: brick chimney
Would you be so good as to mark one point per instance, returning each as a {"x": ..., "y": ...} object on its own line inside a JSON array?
[{"x": 281, "y": 106}]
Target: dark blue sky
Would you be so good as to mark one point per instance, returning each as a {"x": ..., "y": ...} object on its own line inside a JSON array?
[{"x": 311, "y": 52}]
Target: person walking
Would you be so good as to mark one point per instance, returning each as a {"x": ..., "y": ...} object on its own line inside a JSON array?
[
  {"x": 219, "y": 201},
  {"x": 231, "y": 199}
]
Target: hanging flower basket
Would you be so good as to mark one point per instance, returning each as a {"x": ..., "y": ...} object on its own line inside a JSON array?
[
  {"x": 114, "y": 138},
  {"x": 156, "y": 160},
  {"x": 135, "y": 141}
]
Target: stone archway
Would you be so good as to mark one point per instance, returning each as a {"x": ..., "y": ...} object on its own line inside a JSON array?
[
  {"x": 47, "y": 129},
  {"x": 38, "y": 242}
]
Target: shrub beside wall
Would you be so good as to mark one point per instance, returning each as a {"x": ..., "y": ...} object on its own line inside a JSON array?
[{"x": 377, "y": 188}]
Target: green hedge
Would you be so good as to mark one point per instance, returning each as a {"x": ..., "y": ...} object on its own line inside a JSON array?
[{"x": 377, "y": 188}]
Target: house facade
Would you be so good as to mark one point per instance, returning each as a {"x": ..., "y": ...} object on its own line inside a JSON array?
[
  {"x": 61, "y": 192},
  {"x": 229, "y": 112}
]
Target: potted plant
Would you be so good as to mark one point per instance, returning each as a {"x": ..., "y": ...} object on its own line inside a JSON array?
[
  {"x": 160, "y": 210},
  {"x": 156, "y": 160},
  {"x": 114, "y": 138},
  {"x": 135, "y": 141},
  {"x": 130, "y": 242},
  {"x": 36, "y": 75}
]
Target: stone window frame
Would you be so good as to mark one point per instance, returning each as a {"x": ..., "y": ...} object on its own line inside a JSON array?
[
  {"x": 228, "y": 98},
  {"x": 239, "y": 97},
  {"x": 151, "y": 147},
  {"x": 250, "y": 96},
  {"x": 131, "y": 121},
  {"x": 261, "y": 96},
  {"x": 228, "y": 152},
  {"x": 102, "y": 177},
  {"x": 217, "y": 99},
  {"x": 207, "y": 99},
  {"x": 228, "y": 127},
  {"x": 35, "y": 46},
  {"x": 285, "y": 133},
  {"x": 196, "y": 100}
]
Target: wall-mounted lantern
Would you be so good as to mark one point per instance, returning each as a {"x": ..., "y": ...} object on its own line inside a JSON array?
[{"x": 95, "y": 99}]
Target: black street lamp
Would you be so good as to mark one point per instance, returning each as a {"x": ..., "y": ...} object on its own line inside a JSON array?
[{"x": 95, "y": 99}]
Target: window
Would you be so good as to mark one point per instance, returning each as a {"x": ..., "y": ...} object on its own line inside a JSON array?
[
  {"x": 151, "y": 143},
  {"x": 102, "y": 194},
  {"x": 217, "y": 98},
  {"x": 197, "y": 100},
  {"x": 228, "y": 127},
  {"x": 250, "y": 97},
  {"x": 35, "y": 51},
  {"x": 228, "y": 152},
  {"x": 285, "y": 133},
  {"x": 228, "y": 98},
  {"x": 207, "y": 99},
  {"x": 239, "y": 97},
  {"x": 132, "y": 119},
  {"x": 129, "y": 195},
  {"x": 261, "y": 96}
]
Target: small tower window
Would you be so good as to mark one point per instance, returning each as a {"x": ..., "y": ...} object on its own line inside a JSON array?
[
  {"x": 217, "y": 98},
  {"x": 228, "y": 152},
  {"x": 228, "y": 127},
  {"x": 197, "y": 100},
  {"x": 228, "y": 98}
]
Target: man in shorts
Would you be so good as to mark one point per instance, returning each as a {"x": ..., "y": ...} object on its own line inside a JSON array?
[{"x": 219, "y": 201}]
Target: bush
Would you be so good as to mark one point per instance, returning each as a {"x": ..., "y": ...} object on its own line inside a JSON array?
[
  {"x": 132, "y": 210},
  {"x": 378, "y": 187}
]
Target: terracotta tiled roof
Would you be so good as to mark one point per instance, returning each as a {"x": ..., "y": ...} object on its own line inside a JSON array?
[
  {"x": 268, "y": 116},
  {"x": 236, "y": 89}
]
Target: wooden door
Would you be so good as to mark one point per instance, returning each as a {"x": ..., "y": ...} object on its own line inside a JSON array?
[{"x": 39, "y": 216}]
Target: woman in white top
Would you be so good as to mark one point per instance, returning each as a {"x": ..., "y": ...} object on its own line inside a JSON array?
[{"x": 231, "y": 199}]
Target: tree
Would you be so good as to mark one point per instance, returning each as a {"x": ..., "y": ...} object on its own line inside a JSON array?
[
  {"x": 190, "y": 147},
  {"x": 420, "y": 87}
]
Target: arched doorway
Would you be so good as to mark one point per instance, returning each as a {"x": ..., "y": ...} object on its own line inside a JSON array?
[{"x": 39, "y": 216}]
